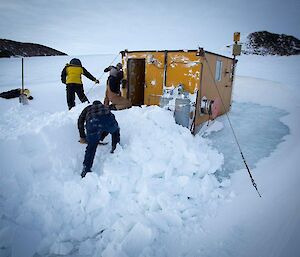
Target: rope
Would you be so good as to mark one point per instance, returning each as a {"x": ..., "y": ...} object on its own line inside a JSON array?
[
  {"x": 232, "y": 129},
  {"x": 102, "y": 74}
]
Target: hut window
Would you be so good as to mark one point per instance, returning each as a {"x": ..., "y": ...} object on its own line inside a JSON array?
[{"x": 218, "y": 74}]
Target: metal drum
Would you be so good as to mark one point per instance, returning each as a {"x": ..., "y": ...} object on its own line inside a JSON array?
[{"x": 182, "y": 111}]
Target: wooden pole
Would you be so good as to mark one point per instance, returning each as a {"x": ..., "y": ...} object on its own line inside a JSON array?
[{"x": 23, "y": 98}]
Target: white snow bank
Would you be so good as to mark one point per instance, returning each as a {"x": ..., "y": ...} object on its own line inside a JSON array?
[{"x": 158, "y": 180}]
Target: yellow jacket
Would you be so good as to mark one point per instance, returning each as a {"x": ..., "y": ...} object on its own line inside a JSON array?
[
  {"x": 71, "y": 74},
  {"x": 74, "y": 74}
]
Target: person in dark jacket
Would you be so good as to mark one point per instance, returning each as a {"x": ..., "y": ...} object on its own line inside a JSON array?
[
  {"x": 14, "y": 93},
  {"x": 113, "y": 93},
  {"x": 99, "y": 122},
  {"x": 71, "y": 76}
]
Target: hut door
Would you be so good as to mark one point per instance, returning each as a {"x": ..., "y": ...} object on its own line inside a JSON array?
[{"x": 136, "y": 81}]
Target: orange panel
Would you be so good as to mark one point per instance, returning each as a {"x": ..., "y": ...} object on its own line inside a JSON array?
[{"x": 184, "y": 68}]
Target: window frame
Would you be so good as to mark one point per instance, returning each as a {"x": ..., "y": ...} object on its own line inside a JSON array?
[{"x": 219, "y": 68}]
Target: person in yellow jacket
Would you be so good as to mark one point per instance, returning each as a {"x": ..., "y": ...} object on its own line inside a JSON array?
[{"x": 71, "y": 76}]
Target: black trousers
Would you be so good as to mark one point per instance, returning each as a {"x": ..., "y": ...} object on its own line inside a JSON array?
[{"x": 71, "y": 90}]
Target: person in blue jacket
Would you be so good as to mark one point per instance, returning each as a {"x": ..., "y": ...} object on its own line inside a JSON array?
[{"x": 99, "y": 122}]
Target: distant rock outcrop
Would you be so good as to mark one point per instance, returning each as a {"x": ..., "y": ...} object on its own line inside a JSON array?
[
  {"x": 10, "y": 48},
  {"x": 266, "y": 43}
]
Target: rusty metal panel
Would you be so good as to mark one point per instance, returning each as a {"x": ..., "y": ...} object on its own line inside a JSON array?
[
  {"x": 218, "y": 91},
  {"x": 184, "y": 69}
]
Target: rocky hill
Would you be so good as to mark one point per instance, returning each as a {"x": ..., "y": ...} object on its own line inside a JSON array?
[
  {"x": 266, "y": 43},
  {"x": 9, "y": 48}
]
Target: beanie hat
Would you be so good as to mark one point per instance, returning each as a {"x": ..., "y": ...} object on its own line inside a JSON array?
[
  {"x": 119, "y": 66},
  {"x": 75, "y": 61},
  {"x": 97, "y": 102}
]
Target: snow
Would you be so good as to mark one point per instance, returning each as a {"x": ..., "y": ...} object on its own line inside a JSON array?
[
  {"x": 163, "y": 192},
  {"x": 137, "y": 239}
]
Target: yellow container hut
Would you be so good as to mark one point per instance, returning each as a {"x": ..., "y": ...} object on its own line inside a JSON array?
[{"x": 195, "y": 84}]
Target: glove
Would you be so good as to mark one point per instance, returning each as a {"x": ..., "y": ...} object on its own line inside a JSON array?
[
  {"x": 107, "y": 69},
  {"x": 96, "y": 81},
  {"x": 82, "y": 140}
]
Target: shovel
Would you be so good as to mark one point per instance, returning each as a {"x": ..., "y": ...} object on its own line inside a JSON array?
[{"x": 23, "y": 97}]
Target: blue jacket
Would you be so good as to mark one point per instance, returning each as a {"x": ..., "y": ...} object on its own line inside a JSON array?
[{"x": 98, "y": 118}]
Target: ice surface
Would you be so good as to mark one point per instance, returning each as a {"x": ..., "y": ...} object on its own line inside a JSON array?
[{"x": 266, "y": 132}]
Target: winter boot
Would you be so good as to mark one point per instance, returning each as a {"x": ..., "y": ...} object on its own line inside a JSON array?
[
  {"x": 113, "y": 148},
  {"x": 84, "y": 172}
]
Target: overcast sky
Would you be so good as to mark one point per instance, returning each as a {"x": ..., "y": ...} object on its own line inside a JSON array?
[{"x": 105, "y": 26}]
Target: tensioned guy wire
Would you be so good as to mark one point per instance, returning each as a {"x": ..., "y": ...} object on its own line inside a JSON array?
[
  {"x": 232, "y": 129},
  {"x": 102, "y": 74}
]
